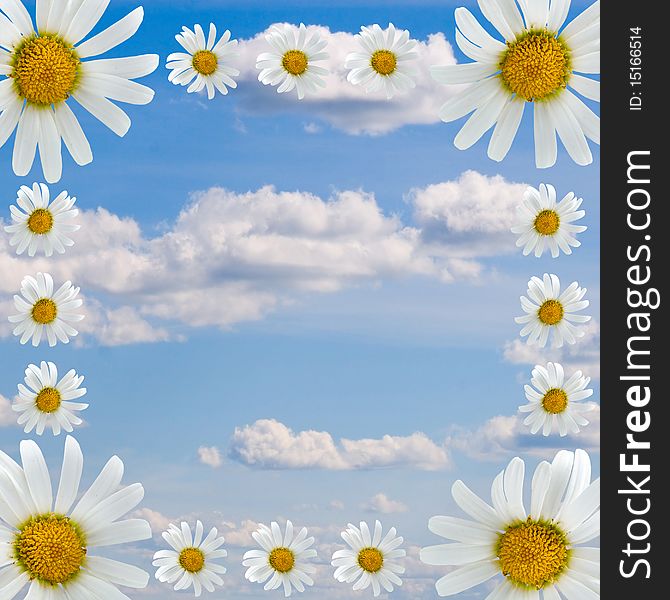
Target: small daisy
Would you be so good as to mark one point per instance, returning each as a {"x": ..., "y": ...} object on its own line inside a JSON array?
[
  {"x": 542, "y": 222},
  {"x": 369, "y": 560},
  {"x": 291, "y": 63},
  {"x": 206, "y": 63},
  {"x": 529, "y": 551},
  {"x": 44, "y": 68},
  {"x": 40, "y": 225},
  {"x": 48, "y": 540},
  {"x": 539, "y": 63},
  {"x": 384, "y": 62},
  {"x": 43, "y": 311},
  {"x": 192, "y": 560},
  {"x": 554, "y": 403},
  {"x": 283, "y": 559},
  {"x": 46, "y": 402},
  {"x": 548, "y": 310}
]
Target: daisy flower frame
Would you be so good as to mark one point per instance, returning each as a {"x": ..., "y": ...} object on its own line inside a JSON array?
[
  {"x": 32, "y": 516},
  {"x": 206, "y": 64},
  {"x": 40, "y": 110},
  {"x": 45, "y": 311},
  {"x": 41, "y": 224},
  {"x": 539, "y": 63},
  {"x": 370, "y": 560},
  {"x": 47, "y": 402},
  {"x": 192, "y": 561},
  {"x": 283, "y": 560},
  {"x": 556, "y": 402},
  {"x": 533, "y": 551}
]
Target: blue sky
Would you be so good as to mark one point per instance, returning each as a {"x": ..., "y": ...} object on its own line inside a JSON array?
[{"x": 391, "y": 352}]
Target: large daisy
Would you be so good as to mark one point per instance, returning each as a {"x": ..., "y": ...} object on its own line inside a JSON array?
[
  {"x": 384, "y": 62},
  {"x": 556, "y": 403},
  {"x": 45, "y": 401},
  {"x": 39, "y": 224},
  {"x": 206, "y": 62},
  {"x": 49, "y": 543},
  {"x": 43, "y": 311},
  {"x": 192, "y": 560},
  {"x": 539, "y": 62},
  {"x": 550, "y": 311},
  {"x": 45, "y": 67},
  {"x": 291, "y": 64},
  {"x": 283, "y": 559},
  {"x": 543, "y": 223},
  {"x": 370, "y": 559},
  {"x": 532, "y": 552}
]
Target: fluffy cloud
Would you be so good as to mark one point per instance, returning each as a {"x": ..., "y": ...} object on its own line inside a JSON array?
[
  {"x": 470, "y": 216},
  {"x": 210, "y": 456},
  {"x": 381, "y": 503},
  {"x": 158, "y": 521},
  {"x": 269, "y": 444},
  {"x": 7, "y": 415},
  {"x": 585, "y": 355},
  {"x": 506, "y": 435},
  {"x": 341, "y": 104},
  {"x": 231, "y": 257}
]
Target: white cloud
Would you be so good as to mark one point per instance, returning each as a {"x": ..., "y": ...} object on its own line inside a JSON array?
[
  {"x": 269, "y": 444},
  {"x": 158, "y": 521},
  {"x": 235, "y": 257},
  {"x": 381, "y": 503},
  {"x": 210, "y": 456},
  {"x": 7, "y": 415},
  {"x": 341, "y": 104},
  {"x": 506, "y": 435},
  {"x": 470, "y": 216},
  {"x": 584, "y": 355}
]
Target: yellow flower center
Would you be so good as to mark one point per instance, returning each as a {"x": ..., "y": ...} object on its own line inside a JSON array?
[
  {"x": 282, "y": 560},
  {"x": 551, "y": 312},
  {"x": 371, "y": 560},
  {"x": 205, "y": 62},
  {"x": 535, "y": 66},
  {"x": 192, "y": 560},
  {"x": 384, "y": 62},
  {"x": 547, "y": 222},
  {"x": 45, "y": 311},
  {"x": 48, "y": 400},
  {"x": 555, "y": 401},
  {"x": 40, "y": 221},
  {"x": 50, "y": 548},
  {"x": 46, "y": 70},
  {"x": 532, "y": 554},
  {"x": 295, "y": 62}
]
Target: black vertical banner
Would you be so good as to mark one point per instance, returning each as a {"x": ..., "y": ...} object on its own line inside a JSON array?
[{"x": 635, "y": 106}]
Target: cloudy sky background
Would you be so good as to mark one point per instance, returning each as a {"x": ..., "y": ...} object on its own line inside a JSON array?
[{"x": 300, "y": 310}]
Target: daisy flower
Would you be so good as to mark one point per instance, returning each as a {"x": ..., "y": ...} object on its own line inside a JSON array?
[
  {"x": 539, "y": 62},
  {"x": 548, "y": 310},
  {"x": 384, "y": 60},
  {"x": 44, "y": 401},
  {"x": 49, "y": 543},
  {"x": 41, "y": 225},
  {"x": 554, "y": 403},
  {"x": 529, "y": 551},
  {"x": 283, "y": 559},
  {"x": 191, "y": 562},
  {"x": 543, "y": 223},
  {"x": 45, "y": 67},
  {"x": 43, "y": 311},
  {"x": 291, "y": 63},
  {"x": 369, "y": 560},
  {"x": 206, "y": 63}
]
